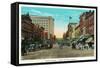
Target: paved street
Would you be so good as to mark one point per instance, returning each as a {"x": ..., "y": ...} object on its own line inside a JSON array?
[{"x": 56, "y": 52}]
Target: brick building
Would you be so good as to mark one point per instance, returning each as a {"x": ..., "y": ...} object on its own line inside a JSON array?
[
  {"x": 87, "y": 23},
  {"x": 31, "y": 31},
  {"x": 26, "y": 27}
]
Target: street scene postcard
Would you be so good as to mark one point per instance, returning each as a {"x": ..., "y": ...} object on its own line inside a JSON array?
[{"x": 55, "y": 34}]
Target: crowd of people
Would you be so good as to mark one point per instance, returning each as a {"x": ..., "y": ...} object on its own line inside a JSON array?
[{"x": 31, "y": 47}]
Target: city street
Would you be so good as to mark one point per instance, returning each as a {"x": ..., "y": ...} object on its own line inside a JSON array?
[
  {"x": 54, "y": 36},
  {"x": 57, "y": 52}
]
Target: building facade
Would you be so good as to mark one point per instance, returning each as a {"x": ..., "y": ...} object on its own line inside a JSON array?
[
  {"x": 30, "y": 31},
  {"x": 26, "y": 27},
  {"x": 71, "y": 30},
  {"x": 46, "y": 22},
  {"x": 77, "y": 31},
  {"x": 85, "y": 26},
  {"x": 87, "y": 23}
]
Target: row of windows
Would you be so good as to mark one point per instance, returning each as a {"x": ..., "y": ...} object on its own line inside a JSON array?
[
  {"x": 36, "y": 21},
  {"x": 40, "y": 23}
]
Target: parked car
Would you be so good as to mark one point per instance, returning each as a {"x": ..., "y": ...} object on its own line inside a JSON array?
[{"x": 31, "y": 47}]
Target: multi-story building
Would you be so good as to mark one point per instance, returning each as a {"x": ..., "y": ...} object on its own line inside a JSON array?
[
  {"x": 85, "y": 26},
  {"x": 30, "y": 31},
  {"x": 90, "y": 22},
  {"x": 71, "y": 30},
  {"x": 26, "y": 27},
  {"x": 87, "y": 23},
  {"x": 77, "y": 31},
  {"x": 46, "y": 22}
]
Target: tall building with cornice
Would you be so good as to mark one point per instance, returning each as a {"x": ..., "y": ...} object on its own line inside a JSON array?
[
  {"x": 71, "y": 30},
  {"x": 47, "y": 22}
]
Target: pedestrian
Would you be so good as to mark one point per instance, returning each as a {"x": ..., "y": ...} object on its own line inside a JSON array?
[{"x": 87, "y": 46}]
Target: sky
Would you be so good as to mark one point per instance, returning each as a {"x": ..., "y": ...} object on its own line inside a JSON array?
[{"x": 60, "y": 15}]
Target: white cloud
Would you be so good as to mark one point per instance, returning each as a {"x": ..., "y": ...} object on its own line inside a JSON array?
[
  {"x": 35, "y": 11},
  {"x": 47, "y": 14}
]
